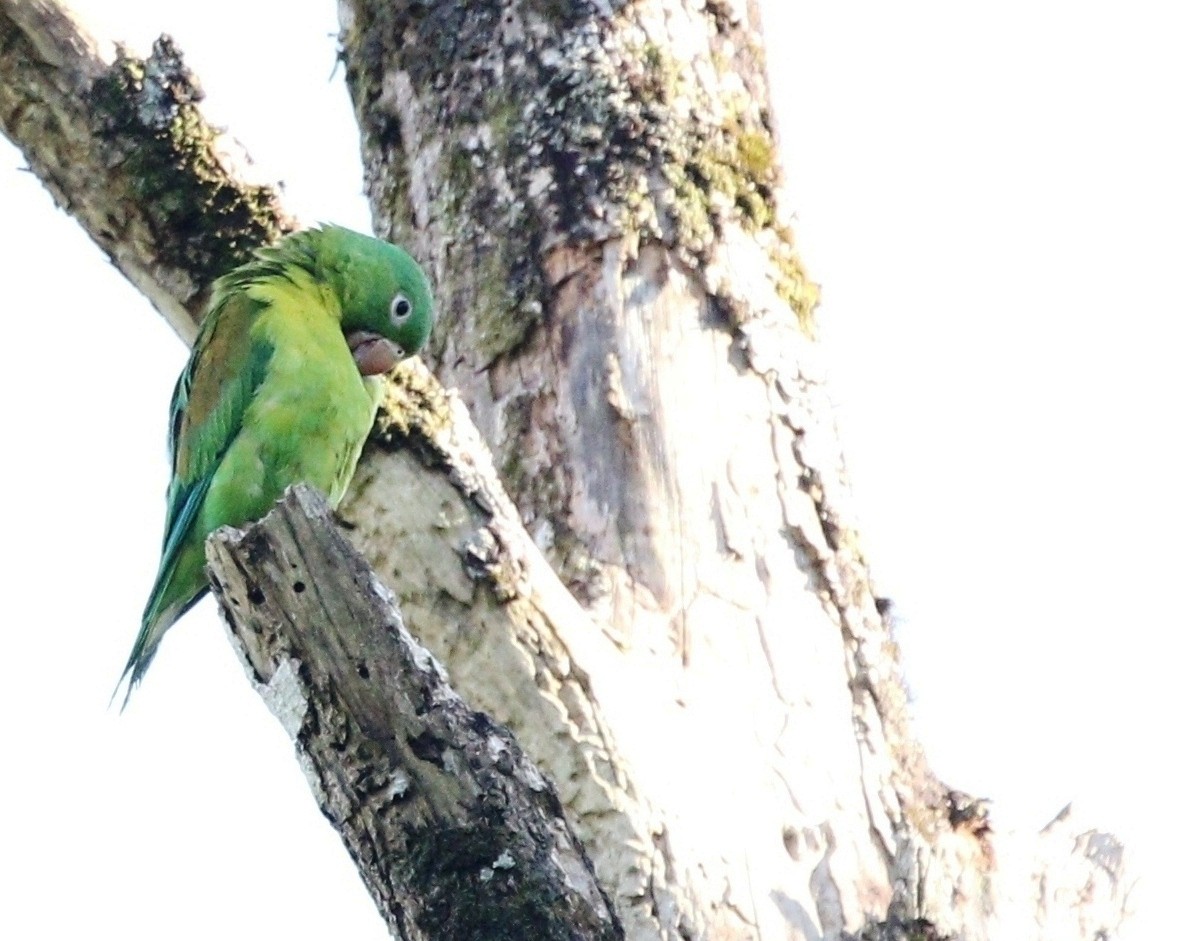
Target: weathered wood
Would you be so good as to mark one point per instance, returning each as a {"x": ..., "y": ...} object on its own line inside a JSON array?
[
  {"x": 121, "y": 145},
  {"x": 451, "y": 545},
  {"x": 594, "y": 187},
  {"x": 455, "y": 832}
]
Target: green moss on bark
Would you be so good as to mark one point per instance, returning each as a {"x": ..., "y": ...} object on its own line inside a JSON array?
[
  {"x": 413, "y": 413},
  {"x": 147, "y": 109},
  {"x": 567, "y": 136}
]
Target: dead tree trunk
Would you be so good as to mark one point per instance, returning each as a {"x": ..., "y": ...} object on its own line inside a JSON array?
[
  {"x": 594, "y": 188},
  {"x": 454, "y": 831}
]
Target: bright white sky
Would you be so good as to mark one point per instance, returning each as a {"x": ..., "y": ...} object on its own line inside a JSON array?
[{"x": 993, "y": 197}]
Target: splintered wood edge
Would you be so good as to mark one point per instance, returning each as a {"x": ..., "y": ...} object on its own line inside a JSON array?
[{"x": 433, "y": 800}]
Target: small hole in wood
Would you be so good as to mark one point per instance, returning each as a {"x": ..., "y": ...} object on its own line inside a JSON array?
[
  {"x": 254, "y": 595},
  {"x": 298, "y": 587},
  {"x": 364, "y": 673}
]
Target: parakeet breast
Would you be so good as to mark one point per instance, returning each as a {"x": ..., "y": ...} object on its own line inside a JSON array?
[{"x": 310, "y": 416}]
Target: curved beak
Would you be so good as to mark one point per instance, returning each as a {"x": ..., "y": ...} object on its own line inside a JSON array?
[{"x": 372, "y": 353}]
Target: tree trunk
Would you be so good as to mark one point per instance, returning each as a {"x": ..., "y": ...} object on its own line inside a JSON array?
[
  {"x": 595, "y": 186},
  {"x": 711, "y": 682},
  {"x": 624, "y": 315}
]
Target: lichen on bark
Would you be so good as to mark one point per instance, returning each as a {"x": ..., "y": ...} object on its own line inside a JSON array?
[
  {"x": 146, "y": 110},
  {"x": 725, "y": 718},
  {"x": 597, "y": 132},
  {"x": 121, "y": 144},
  {"x": 455, "y": 831}
]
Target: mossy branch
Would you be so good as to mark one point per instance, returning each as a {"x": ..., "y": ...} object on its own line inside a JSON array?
[{"x": 121, "y": 145}]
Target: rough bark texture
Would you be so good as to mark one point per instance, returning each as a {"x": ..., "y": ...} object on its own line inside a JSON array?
[
  {"x": 623, "y": 315},
  {"x": 120, "y": 144},
  {"x": 594, "y": 187},
  {"x": 455, "y": 832}
]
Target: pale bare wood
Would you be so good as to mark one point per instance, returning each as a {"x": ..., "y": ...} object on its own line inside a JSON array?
[{"x": 596, "y": 187}]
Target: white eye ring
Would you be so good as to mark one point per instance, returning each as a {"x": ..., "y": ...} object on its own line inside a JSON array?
[{"x": 401, "y": 309}]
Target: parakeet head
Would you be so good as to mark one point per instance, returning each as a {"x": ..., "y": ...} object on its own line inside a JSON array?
[{"x": 387, "y": 307}]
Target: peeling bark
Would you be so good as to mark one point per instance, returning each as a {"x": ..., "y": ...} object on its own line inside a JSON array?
[
  {"x": 688, "y": 643},
  {"x": 659, "y": 418},
  {"x": 596, "y": 188},
  {"x": 446, "y": 538},
  {"x": 454, "y": 830}
]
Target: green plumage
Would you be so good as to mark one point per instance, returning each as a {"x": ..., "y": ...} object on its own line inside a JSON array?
[{"x": 279, "y": 389}]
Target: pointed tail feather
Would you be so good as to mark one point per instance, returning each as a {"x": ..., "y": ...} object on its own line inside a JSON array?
[
  {"x": 156, "y": 621},
  {"x": 180, "y": 583}
]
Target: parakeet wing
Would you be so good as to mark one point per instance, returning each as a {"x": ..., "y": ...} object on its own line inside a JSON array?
[{"x": 209, "y": 401}]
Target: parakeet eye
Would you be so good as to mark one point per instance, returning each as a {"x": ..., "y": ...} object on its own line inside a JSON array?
[{"x": 401, "y": 309}]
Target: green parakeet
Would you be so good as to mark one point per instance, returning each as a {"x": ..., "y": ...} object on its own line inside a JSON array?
[{"x": 281, "y": 387}]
